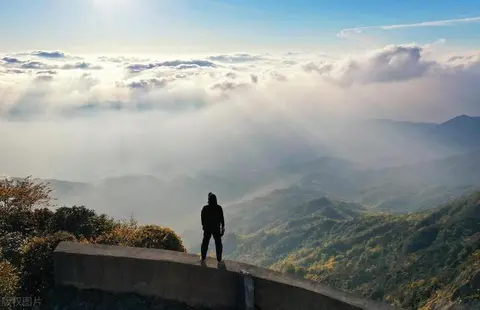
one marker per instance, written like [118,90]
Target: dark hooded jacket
[212,216]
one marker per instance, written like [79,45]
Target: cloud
[82,66]
[187,66]
[37,65]
[439,23]
[112,83]
[44,78]
[390,64]
[231,75]
[289,62]
[235,58]
[45,75]
[278,76]
[177,64]
[52,55]
[50,72]
[112,59]
[119,59]
[14,71]
[11,60]
[464,59]
[46,65]
[320,68]
[229,86]
[145,84]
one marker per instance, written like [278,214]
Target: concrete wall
[179,276]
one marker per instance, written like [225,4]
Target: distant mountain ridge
[462,120]
[461,133]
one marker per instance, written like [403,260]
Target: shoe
[203,263]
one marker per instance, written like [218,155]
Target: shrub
[80,221]
[17,220]
[41,220]
[37,269]
[123,234]
[11,244]
[149,236]
[152,236]
[9,279]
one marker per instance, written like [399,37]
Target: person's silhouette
[213,224]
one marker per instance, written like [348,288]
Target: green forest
[421,260]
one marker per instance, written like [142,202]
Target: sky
[190,26]
[123,86]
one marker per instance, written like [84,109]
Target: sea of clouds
[85,117]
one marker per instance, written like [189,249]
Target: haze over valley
[399,177]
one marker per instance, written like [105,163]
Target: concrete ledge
[178,276]
[71,298]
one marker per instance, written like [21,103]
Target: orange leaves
[149,236]
[330,264]
[122,235]
[23,193]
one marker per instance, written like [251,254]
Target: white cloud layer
[82,118]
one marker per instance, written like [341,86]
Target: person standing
[213,224]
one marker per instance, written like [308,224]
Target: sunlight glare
[112,5]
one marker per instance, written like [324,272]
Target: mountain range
[423,260]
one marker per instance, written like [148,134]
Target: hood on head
[212,199]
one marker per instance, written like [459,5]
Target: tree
[18,197]
[23,194]
[37,268]
[41,220]
[80,221]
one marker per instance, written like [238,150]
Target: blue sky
[178,26]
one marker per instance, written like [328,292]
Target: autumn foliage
[23,194]
[149,236]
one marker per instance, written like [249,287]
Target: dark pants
[218,244]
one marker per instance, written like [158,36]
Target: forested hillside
[416,260]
